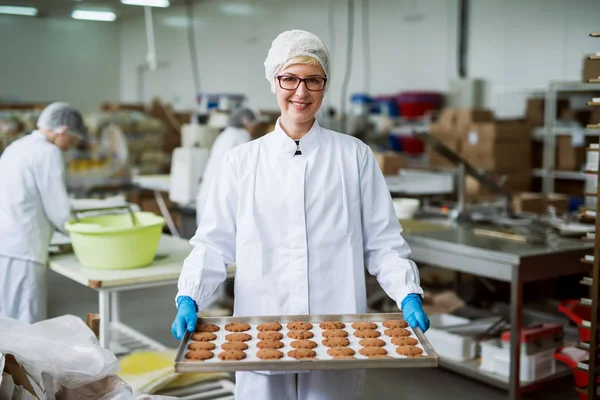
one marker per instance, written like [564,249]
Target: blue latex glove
[412,307]
[187,316]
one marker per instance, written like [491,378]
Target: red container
[580,376]
[412,145]
[417,104]
[577,314]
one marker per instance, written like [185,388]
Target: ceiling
[63,8]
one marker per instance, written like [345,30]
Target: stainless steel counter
[460,249]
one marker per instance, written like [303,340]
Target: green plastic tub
[113,242]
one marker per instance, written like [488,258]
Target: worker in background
[239,130]
[302,211]
[33,203]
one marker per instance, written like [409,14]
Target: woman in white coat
[33,203]
[302,211]
[238,129]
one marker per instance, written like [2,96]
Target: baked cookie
[340,351]
[303,344]
[207,328]
[359,326]
[332,325]
[371,342]
[344,358]
[367,334]
[297,335]
[232,355]
[237,327]
[404,341]
[302,353]
[201,346]
[409,351]
[234,346]
[269,354]
[395,332]
[238,337]
[395,323]
[269,344]
[299,326]
[373,351]
[335,333]
[270,335]
[269,326]
[199,355]
[203,336]
[336,342]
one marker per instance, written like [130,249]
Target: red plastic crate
[412,145]
[577,314]
[580,376]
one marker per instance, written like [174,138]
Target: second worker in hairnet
[33,203]
[302,211]
[239,130]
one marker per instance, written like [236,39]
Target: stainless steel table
[459,249]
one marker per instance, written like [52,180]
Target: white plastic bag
[63,347]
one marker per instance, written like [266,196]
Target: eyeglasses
[314,83]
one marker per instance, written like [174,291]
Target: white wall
[519,46]
[46,59]
[515,45]
[232,49]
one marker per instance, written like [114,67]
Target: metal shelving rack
[550,130]
[593,365]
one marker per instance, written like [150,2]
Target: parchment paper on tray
[388,356]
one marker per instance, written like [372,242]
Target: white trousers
[314,385]
[22,290]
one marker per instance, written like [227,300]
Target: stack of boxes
[500,146]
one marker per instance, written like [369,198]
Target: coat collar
[286,146]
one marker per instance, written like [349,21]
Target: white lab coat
[33,202]
[301,230]
[228,139]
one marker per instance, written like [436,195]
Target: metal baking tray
[429,358]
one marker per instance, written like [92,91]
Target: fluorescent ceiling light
[150,3]
[94,15]
[237,9]
[15,10]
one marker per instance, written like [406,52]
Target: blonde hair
[305,60]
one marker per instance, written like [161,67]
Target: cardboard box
[449,140]
[389,162]
[501,130]
[534,114]
[590,69]
[499,146]
[447,119]
[469,116]
[538,204]
[457,121]
[568,156]
[502,157]
[529,202]
[514,182]
[559,201]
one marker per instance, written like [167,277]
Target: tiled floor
[151,311]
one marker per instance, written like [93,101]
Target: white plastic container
[449,345]
[591,158]
[495,359]
[406,208]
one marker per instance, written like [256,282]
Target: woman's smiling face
[299,106]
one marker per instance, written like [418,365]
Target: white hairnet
[241,117]
[291,44]
[62,114]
